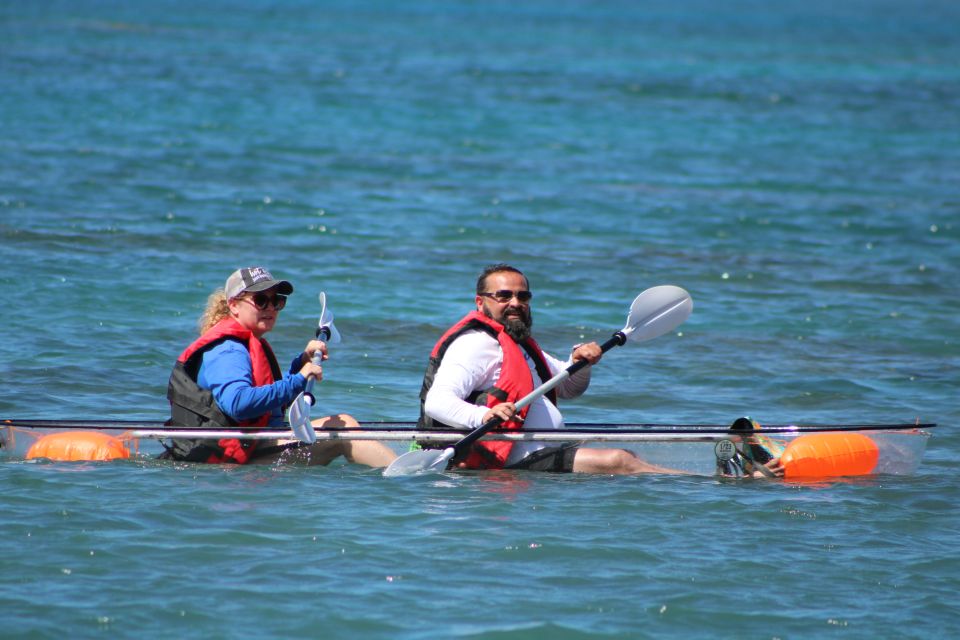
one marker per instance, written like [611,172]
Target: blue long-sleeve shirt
[227,372]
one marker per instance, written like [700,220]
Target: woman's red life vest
[515,381]
[193,406]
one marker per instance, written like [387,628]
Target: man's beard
[517,328]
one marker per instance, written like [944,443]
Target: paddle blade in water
[423,461]
[657,311]
[298,415]
[831,454]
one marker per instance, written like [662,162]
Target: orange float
[830,454]
[78,445]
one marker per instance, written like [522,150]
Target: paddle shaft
[461,446]
[323,333]
[299,413]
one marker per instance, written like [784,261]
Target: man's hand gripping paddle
[653,313]
[299,413]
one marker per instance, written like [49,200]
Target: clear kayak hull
[895,449]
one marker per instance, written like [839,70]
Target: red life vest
[515,381]
[266,371]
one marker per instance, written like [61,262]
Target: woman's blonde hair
[217,309]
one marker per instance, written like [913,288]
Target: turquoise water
[793,165]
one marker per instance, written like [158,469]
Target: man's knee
[605,461]
[622,461]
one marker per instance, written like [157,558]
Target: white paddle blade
[326,321]
[657,311]
[423,461]
[332,330]
[298,415]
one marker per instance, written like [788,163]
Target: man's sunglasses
[261,300]
[506,295]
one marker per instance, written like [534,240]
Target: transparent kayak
[702,449]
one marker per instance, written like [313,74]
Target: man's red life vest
[515,382]
[193,406]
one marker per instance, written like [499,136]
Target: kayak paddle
[299,413]
[653,313]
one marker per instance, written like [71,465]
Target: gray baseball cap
[254,279]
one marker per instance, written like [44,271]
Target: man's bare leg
[614,461]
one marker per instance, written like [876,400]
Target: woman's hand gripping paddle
[653,313]
[299,413]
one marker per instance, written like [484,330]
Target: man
[486,362]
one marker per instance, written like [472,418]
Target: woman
[229,376]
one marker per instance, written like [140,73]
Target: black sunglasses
[505,295]
[261,300]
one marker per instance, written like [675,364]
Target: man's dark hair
[496,268]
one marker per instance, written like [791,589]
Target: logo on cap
[254,275]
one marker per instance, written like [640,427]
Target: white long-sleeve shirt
[472,363]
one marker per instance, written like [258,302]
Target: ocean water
[794,165]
